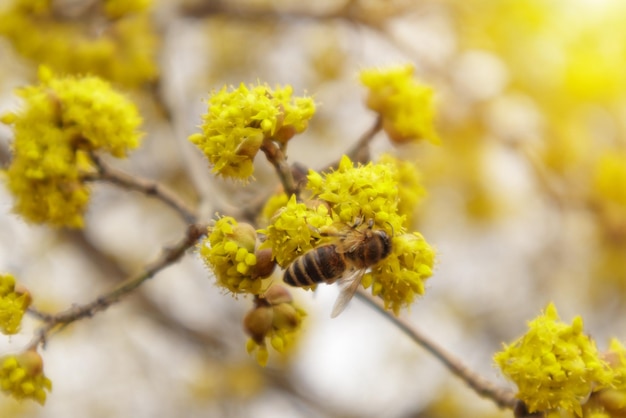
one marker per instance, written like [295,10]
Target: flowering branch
[101,303]
[147,187]
[502,397]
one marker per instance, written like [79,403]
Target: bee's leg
[358,221]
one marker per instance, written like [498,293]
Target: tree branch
[147,187]
[504,398]
[101,303]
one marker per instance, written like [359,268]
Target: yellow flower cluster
[123,49]
[342,198]
[229,250]
[554,365]
[399,278]
[367,192]
[410,189]
[275,317]
[406,106]
[21,376]
[295,229]
[62,121]
[13,304]
[237,122]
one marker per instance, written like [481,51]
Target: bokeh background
[526,198]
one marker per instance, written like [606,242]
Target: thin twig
[360,152]
[504,398]
[145,186]
[102,302]
[277,158]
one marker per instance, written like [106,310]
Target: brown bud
[264,263]
[277,294]
[245,236]
[285,133]
[285,316]
[258,322]
[31,361]
[250,146]
[22,290]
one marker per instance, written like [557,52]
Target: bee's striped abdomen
[322,264]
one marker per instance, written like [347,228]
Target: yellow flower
[410,189]
[123,50]
[237,123]
[229,250]
[406,106]
[610,178]
[400,277]
[350,196]
[294,230]
[554,365]
[275,318]
[13,304]
[367,192]
[21,376]
[62,121]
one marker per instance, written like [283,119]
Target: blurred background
[526,197]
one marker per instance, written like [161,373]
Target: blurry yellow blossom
[276,319]
[119,8]
[237,122]
[64,119]
[554,365]
[229,250]
[122,49]
[410,188]
[610,179]
[21,376]
[13,304]
[406,106]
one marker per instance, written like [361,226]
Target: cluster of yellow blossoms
[230,250]
[274,317]
[62,37]
[406,106]
[63,120]
[238,121]
[558,370]
[338,199]
[21,376]
[13,303]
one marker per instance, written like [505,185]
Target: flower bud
[22,291]
[244,235]
[258,323]
[277,294]
[285,133]
[31,361]
[250,146]
[285,316]
[265,263]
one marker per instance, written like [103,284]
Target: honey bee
[344,261]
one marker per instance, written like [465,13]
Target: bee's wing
[348,284]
